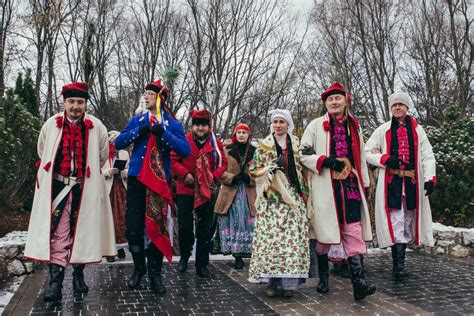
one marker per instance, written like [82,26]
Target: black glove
[332,163]
[307,151]
[393,163]
[280,162]
[429,187]
[245,178]
[237,179]
[144,131]
[157,130]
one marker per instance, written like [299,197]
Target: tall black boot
[323,270]
[394,259]
[78,284]
[139,268]
[183,263]
[400,272]
[56,277]
[155,263]
[360,287]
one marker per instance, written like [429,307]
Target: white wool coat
[325,220]
[377,149]
[94,235]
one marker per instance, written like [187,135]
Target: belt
[71,181]
[403,173]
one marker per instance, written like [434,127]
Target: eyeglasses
[151,93]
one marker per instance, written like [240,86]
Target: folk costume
[71,220]
[148,194]
[206,164]
[280,253]
[235,203]
[340,207]
[407,165]
[116,184]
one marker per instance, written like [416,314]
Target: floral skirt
[280,241]
[236,227]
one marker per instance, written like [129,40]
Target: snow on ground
[7,293]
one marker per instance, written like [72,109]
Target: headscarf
[399,97]
[239,127]
[284,114]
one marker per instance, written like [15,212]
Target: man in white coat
[333,148]
[71,219]
[407,165]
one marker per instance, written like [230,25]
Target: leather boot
[400,272]
[139,269]
[78,284]
[56,277]
[155,263]
[323,270]
[239,263]
[203,272]
[394,259]
[360,287]
[183,264]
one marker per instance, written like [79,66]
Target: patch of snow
[7,293]
[441,227]
[14,238]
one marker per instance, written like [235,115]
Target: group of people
[283,203]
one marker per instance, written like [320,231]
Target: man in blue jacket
[169,136]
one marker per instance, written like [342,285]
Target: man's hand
[189,179]
[429,187]
[393,163]
[332,163]
[157,130]
[144,131]
[307,151]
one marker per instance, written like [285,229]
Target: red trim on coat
[319,163]
[384,158]
[51,189]
[434,180]
[417,211]
[82,192]
[355,145]
[388,139]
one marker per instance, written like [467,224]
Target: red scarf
[152,174]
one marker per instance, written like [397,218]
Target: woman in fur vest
[235,204]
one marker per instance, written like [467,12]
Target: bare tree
[8,9]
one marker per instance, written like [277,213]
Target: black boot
[56,277]
[360,287]
[78,284]
[203,272]
[183,264]
[155,263]
[400,272]
[139,269]
[323,270]
[239,263]
[394,259]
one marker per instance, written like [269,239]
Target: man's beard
[201,138]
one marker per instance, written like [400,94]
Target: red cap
[200,116]
[76,89]
[158,87]
[335,88]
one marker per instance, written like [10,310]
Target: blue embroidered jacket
[173,138]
